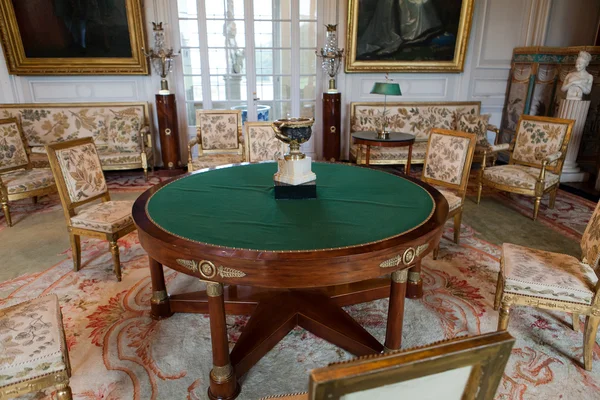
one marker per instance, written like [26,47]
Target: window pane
[263,9]
[225,88]
[308,9]
[191,112]
[193,88]
[307,109]
[187,9]
[189,33]
[308,62]
[238,10]
[215,8]
[307,87]
[308,34]
[191,61]
[264,87]
[272,34]
[273,61]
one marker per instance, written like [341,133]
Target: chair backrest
[590,241]
[78,173]
[463,368]
[538,137]
[13,147]
[261,142]
[448,159]
[219,130]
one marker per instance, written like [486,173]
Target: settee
[415,118]
[120,131]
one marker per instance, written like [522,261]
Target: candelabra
[160,57]
[331,56]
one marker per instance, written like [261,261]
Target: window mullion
[295,67]
[251,86]
[204,60]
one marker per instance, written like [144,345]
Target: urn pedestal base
[294,172]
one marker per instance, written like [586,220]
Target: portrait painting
[408,35]
[56,37]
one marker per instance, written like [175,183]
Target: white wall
[498,27]
[573,23]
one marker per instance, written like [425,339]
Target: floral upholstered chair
[261,143]
[447,165]
[34,350]
[219,139]
[465,368]
[538,152]
[479,125]
[554,281]
[78,174]
[18,180]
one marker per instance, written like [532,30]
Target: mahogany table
[396,139]
[306,257]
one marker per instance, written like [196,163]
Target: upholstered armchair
[466,368]
[219,139]
[447,164]
[538,151]
[34,350]
[18,180]
[78,174]
[261,143]
[554,281]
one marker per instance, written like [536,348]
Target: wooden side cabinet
[166,109]
[332,121]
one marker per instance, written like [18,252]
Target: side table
[396,139]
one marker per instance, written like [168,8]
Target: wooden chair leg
[146,173]
[479,189]
[589,340]
[576,322]
[503,316]
[64,392]
[436,252]
[499,291]
[6,212]
[457,221]
[34,199]
[552,198]
[114,249]
[536,207]
[76,250]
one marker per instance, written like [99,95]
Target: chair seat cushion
[454,201]
[547,275]
[214,160]
[109,217]
[391,153]
[518,176]
[32,340]
[27,180]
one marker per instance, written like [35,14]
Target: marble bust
[579,82]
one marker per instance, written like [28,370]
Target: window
[257,56]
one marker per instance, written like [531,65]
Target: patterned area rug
[119,352]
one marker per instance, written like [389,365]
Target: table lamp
[386,89]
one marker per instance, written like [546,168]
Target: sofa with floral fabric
[417,119]
[121,131]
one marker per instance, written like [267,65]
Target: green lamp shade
[385,88]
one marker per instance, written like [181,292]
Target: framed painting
[408,35]
[73,37]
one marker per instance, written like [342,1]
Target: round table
[395,139]
[224,226]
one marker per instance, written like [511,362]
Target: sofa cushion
[548,275]
[476,124]
[397,154]
[32,338]
[26,180]
[114,127]
[109,216]
[414,118]
[12,149]
[518,176]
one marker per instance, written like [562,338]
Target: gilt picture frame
[62,37]
[401,36]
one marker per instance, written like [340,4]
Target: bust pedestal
[169,134]
[332,122]
[576,110]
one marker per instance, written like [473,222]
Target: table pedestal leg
[393,334]
[223,383]
[414,289]
[159,303]
[368,160]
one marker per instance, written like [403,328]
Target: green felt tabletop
[235,207]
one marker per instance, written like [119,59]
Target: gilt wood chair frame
[198,139]
[461,188]
[5,197]
[70,206]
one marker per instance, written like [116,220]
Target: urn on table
[294,178]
